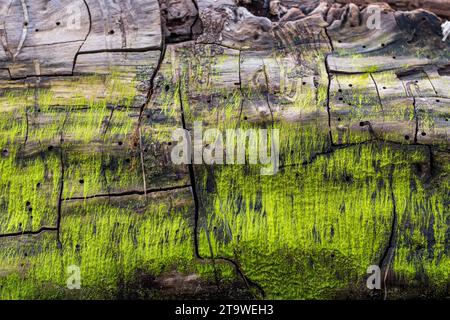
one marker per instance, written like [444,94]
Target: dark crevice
[76,108]
[180,28]
[335,147]
[267,93]
[416,118]
[61,182]
[193,182]
[141,156]
[388,254]
[150,93]
[7,70]
[444,71]
[60,194]
[431,82]
[197,18]
[431,161]
[58,218]
[23,233]
[378,93]
[197,207]
[85,39]
[330,133]
[259,8]
[128,50]
[330,41]
[221,45]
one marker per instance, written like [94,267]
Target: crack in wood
[24,30]
[103,166]
[378,93]
[336,147]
